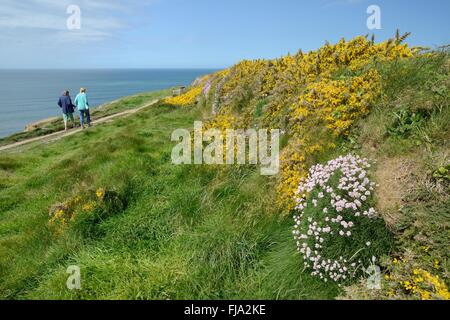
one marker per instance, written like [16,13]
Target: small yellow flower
[408,286]
[437,264]
[88,206]
[100,193]
[425,295]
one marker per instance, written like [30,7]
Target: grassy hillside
[181,232]
[110,201]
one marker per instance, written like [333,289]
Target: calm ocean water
[30,95]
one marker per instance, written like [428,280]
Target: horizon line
[114,68]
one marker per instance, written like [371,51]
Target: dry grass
[395,177]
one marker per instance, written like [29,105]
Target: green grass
[186,232]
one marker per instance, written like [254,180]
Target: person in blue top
[81,101]
[65,103]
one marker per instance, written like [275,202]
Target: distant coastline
[29,96]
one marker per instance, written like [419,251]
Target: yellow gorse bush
[319,94]
[337,103]
[429,286]
[313,97]
[61,215]
[185,99]
[59,220]
[191,96]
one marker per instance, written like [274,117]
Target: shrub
[85,210]
[336,227]
[442,173]
[405,122]
[186,99]
[405,280]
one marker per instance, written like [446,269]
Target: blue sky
[198,33]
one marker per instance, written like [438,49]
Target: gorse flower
[407,280]
[199,87]
[88,204]
[186,99]
[315,97]
[100,193]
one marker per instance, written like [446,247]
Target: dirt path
[62,134]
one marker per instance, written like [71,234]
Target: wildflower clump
[100,193]
[85,209]
[59,218]
[405,280]
[337,229]
[62,214]
[186,99]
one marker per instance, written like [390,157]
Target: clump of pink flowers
[207,88]
[330,202]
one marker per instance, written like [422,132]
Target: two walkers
[68,108]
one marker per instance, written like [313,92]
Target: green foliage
[259,110]
[442,173]
[406,122]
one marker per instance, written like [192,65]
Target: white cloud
[99,18]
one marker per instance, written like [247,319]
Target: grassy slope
[187,232]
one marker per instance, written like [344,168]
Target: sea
[28,96]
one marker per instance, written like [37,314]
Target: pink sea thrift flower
[337,216]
